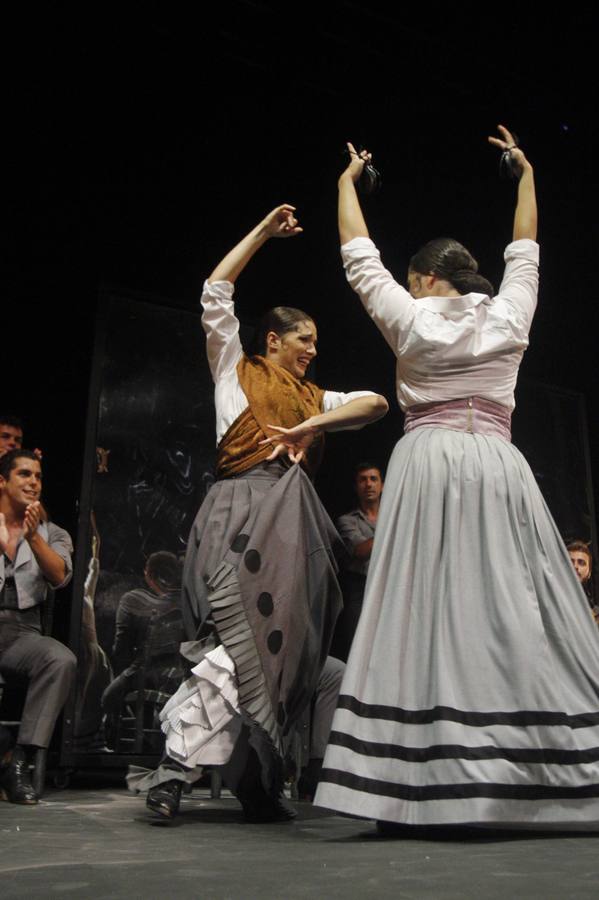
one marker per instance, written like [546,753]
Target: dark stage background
[141,142]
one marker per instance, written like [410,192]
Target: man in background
[11,433]
[35,555]
[138,611]
[357,531]
[582,560]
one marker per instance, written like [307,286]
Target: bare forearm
[52,565]
[237,259]
[280,222]
[525,217]
[360,411]
[351,220]
[295,441]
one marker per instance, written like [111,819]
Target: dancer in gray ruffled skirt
[259,582]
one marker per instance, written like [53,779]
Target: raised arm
[280,222]
[220,324]
[525,217]
[351,220]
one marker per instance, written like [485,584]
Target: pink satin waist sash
[470,414]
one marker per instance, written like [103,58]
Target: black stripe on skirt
[457,791]
[457,751]
[522,718]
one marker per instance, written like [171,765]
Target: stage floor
[100,843]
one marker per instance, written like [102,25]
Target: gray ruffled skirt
[260,579]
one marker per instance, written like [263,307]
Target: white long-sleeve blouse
[450,347]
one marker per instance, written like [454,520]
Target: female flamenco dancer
[259,576]
[471,694]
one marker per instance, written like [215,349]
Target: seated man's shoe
[15,781]
[165,798]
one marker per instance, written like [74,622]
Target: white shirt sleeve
[335,399]
[520,283]
[388,303]
[220,323]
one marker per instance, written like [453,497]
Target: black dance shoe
[15,781]
[164,799]
[393,829]
[268,809]
[260,805]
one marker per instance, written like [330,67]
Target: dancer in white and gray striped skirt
[471,694]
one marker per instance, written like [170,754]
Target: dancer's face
[582,564]
[420,285]
[295,350]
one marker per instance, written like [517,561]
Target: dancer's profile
[471,694]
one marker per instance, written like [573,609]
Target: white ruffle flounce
[201,720]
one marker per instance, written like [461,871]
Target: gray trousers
[324,705]
[48,666]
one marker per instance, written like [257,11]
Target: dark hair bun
[471,283]
[448,259]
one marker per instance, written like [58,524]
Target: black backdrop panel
[149,459]
[549,427]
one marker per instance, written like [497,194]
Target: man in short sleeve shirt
[357,530]
[35,555]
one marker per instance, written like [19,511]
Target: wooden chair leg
[139,722]
[216,784]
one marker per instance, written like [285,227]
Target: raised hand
[507,144]
[292,441]
[281,222]
[31,519]
[356,163]
[525,215]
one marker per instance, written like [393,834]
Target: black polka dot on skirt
[265,604]
[252,560]
[240,542]
[274,641]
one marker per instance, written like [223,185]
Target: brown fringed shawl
[275,397]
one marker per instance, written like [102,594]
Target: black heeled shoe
[15,781]
[165,798]
[259,805]
[268,809]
